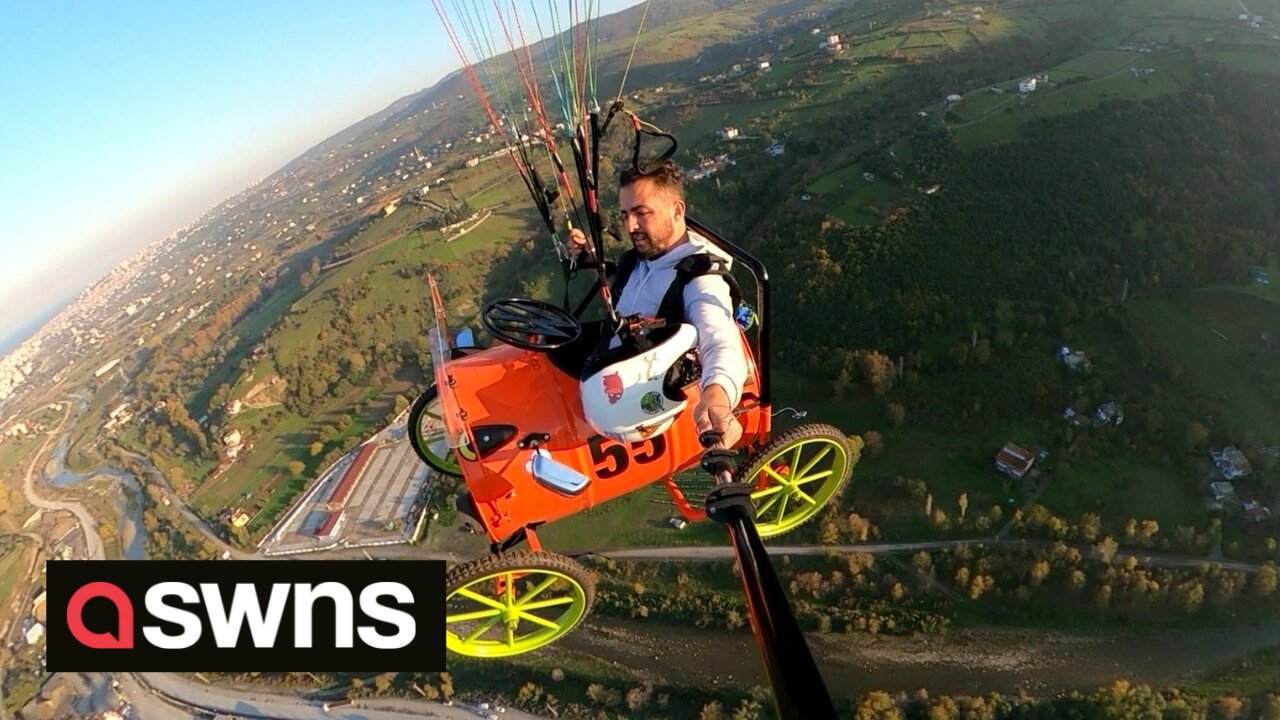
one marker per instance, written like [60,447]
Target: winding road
[93,541]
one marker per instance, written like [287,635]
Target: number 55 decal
[611,459]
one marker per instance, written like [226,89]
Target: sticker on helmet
[612,387]
[651,403]
[646,430]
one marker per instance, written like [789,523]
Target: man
[653,213]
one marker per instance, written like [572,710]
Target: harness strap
[672,307]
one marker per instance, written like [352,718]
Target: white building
[1028,85]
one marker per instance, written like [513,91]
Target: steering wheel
[530,324]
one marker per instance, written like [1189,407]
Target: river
[970,662]
[127,500]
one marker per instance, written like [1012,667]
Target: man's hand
[577,244]
[715,413]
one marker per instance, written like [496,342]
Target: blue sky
[122,121]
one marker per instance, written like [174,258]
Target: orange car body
[505,405]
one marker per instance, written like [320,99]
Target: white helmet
[625,390]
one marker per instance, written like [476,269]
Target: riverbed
[127,499]
[970,662]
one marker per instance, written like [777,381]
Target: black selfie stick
[799,692]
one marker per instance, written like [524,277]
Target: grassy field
[835,182]
[1258,60]
[698,132]
[1140,487]
[876,46]
[264,475]
[1215,336]
[863,203]
[1252,675]
[12,566]
[1170,73]
[980,102]
[1095,64]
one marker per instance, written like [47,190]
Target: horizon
[62,239]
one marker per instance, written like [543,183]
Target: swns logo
[273,616]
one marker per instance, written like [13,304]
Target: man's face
[654,219]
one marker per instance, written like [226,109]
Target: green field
[698,132]
[1215,336]
[1145,487]
[11,569]
[1251,676]
[1210,9]
[1095,64]
[980,102]
[833,183]
[1258,60]
[924,40]
[876,46]
[1170,73]
[264,475]
[861,205]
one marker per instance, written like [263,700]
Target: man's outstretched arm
[709,307]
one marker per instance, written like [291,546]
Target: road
[726,553]
[93,542]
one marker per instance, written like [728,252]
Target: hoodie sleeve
[709,308]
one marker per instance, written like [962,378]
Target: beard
[656,241]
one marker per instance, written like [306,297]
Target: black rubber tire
[424,453]
[415,417]
[810,431]
[465,573]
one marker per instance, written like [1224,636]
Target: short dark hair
[666,175]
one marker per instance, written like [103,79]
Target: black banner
[277,616]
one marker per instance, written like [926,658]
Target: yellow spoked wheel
[504,605]
[796,474]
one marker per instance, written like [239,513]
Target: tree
[877,371]
[712,711]
[873,443]
[859,527]
[896,414]
[1227,707]
[638,697]
[1090,526]
[529,695]
[877,705]
[1264,583]
[296,467]
[1107,549]
[964,504]
[1147,529]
